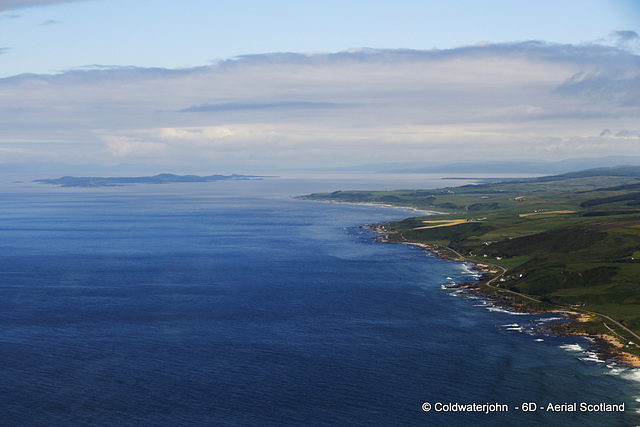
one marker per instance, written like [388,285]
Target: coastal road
[504,270]
[636,336]
[489,282]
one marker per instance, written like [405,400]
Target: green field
[570,241]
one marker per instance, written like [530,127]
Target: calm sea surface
[232,303]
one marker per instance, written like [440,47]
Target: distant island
[566,243]
[163,178]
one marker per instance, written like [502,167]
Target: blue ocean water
[234,304]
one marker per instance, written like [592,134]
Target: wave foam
[615,370]
[467,270]
[497,309]
[502,310]
[631,374]
[590,356]
[572,347]
[549,319]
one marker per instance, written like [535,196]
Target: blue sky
[257,84]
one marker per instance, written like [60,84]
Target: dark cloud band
[23,4]
[252,106]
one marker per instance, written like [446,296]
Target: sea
[234,303]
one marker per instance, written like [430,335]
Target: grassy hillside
[569,240]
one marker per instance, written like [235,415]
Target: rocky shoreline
[607,347]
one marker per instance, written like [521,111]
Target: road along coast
[608,346]
[570,243]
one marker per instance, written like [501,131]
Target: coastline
[608,347]
[384,205]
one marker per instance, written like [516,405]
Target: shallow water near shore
[234,304]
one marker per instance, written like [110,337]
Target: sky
[255,85]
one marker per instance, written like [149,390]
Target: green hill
[569,241]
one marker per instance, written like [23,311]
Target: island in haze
[567,242]
[163,178]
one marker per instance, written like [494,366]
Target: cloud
[49,22]
[96,67]
[625,36]
[230,106]
[531,99]
[618,83]
[625,133]
[123,146]
[22,4]
[626,39]
[622,133]
[4,50]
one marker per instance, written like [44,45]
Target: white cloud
[124,146]
[512,100]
